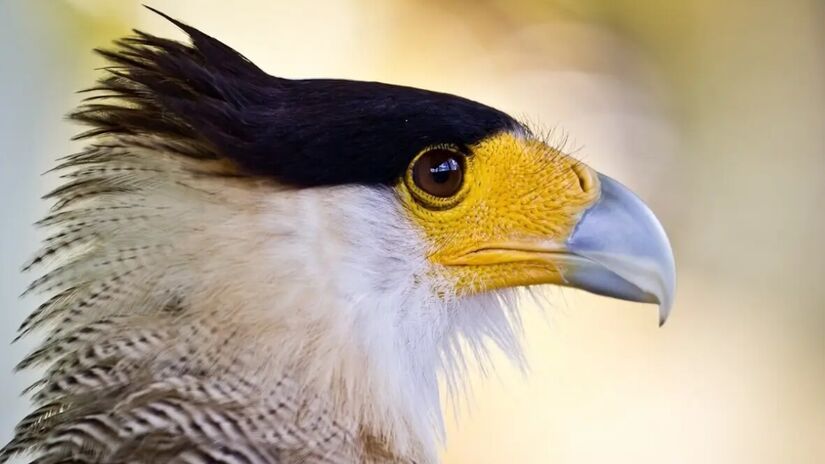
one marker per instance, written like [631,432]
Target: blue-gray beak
[622,250]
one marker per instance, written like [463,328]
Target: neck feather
[328,288]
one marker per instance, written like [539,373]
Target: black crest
[206,100]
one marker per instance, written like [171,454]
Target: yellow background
[714,111]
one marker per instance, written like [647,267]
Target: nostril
[585,175]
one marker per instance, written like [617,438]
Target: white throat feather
[328,287]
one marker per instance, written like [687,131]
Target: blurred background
[713,111]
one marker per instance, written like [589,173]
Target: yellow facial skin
[519,202]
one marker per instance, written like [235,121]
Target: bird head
[509,210]
[357,238]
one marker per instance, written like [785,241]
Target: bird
[244,268]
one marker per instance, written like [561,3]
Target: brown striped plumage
[135,373]
[129,377]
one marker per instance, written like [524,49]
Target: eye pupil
[439,172]
[443,171]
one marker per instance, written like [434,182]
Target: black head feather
[206,100]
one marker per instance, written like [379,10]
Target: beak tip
[665,293]
[664,312]
[666,303]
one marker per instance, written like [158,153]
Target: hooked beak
[619,249]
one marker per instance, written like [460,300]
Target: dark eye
[439,172]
